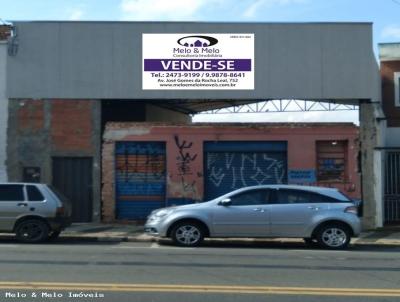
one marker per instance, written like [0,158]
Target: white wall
[3,111]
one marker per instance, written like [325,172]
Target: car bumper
[59,223]
[156,228]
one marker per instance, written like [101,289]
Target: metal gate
[73,177]
[233,165]
[392,188]
[140,178]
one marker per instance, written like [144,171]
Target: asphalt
[104,232]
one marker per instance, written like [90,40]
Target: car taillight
[352,210]
[60,211]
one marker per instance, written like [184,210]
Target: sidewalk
[102,232]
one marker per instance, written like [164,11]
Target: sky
[384,14]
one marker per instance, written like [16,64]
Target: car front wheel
[333,236]
[187,234]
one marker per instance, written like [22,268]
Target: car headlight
[162,213]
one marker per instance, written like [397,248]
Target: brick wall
[41,129]
[107,196]
[71,125]
[391,111]
[301,140]
[31,116]
[5,32]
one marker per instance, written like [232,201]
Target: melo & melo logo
[197,41]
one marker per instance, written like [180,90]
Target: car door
[293,211]
[12,205]
[245,215]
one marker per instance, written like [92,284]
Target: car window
[253,197]
[34,194]
[319,198]
[11,193]
[292,196]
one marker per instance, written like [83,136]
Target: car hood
[183,207]
[191,206]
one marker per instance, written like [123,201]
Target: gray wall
[3,111]
[157,114]
[100,60]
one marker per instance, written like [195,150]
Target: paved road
[84,271]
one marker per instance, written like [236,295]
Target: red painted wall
[189,184]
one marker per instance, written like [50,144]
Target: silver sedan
[319,215]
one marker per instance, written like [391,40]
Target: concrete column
[371,136]
[3,112]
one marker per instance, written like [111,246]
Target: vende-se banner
[198,61]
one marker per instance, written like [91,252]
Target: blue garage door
[233,165]
[140,178]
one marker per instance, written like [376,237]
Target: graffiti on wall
[183,161]
[140,169]
[240,169]
[140,161]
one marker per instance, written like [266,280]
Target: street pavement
[86,270]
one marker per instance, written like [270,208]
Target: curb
[143,238]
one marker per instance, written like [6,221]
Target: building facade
[66,80]
[148,166]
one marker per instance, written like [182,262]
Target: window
[396,82]
[34,194]
[11,193]
[297,196]
[31,174]
[331,161]
[292,196]
[253,197]
[319,198]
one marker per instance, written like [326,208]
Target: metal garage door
[392,188]
[140,178]
[233,165]
[73,177]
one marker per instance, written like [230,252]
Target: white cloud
[75,14]
[254,7]
[161,9]
[391,31]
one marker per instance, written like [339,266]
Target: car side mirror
[225,202]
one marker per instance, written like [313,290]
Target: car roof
[293,187]
[330,192]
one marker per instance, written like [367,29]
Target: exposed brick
[5,32]
[31,115]
[71,125]
[108,194]
[392,112]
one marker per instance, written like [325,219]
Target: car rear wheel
[333,236]
[32,231]
[187,234]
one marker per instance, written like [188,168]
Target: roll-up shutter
[140,178]
[236,164]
